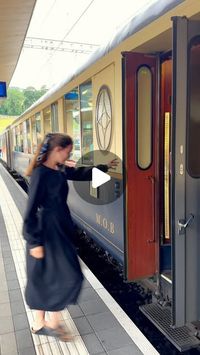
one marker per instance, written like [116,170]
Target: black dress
[54,281]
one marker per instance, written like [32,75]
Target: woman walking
[54,276]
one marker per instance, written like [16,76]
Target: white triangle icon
[99,178]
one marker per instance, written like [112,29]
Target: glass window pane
[54,117]
[28,135]
[14,139]
[47,120]
[34,134]
[193,134]
[21,137]
[86,122]
[25,137]
[72,118]
[144,117]
[38,128]
[17,138]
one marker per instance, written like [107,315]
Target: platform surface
[98,323]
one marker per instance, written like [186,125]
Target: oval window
[103,118]
[144,117]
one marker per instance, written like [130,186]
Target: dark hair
[50,141]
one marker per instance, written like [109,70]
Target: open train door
[185,213]
[140,142]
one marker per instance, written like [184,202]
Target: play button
[101,186]
[99,178]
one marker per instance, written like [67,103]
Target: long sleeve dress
[53,282]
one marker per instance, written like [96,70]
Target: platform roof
[156,10]
[15,16]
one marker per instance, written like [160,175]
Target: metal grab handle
[182,224]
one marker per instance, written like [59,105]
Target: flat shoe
[44,331]
[59,333]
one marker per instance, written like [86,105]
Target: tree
[31,95]
[19,100]
[13,105]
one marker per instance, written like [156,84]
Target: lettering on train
[105,223]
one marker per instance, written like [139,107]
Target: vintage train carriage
[145,84]
[6,146]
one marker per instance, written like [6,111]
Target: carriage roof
[138,22]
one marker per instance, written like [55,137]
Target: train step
[181,337]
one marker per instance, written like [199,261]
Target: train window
[25,143]
[38,127]
[21,146]
[28,136]
[144,117]
[17,138]
[34,133]
[47,120]
[86,122]
[14,139]
[72,120]
[54,117]
[193,132]
[103,118]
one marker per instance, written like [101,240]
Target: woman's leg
[39,320]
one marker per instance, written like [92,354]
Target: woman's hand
[70,163]
[37,252]
[113,163]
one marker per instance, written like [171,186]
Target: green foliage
[31,95]
[20,99]
[13,105]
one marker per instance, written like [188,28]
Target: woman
[54,276]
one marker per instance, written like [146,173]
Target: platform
[99,324]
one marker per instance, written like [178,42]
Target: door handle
[182,224]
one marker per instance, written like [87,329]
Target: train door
[165,175]
[185,218]
[140,157]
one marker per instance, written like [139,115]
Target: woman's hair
[50,141]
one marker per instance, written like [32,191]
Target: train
[137,97]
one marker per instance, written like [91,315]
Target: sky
[83,21]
